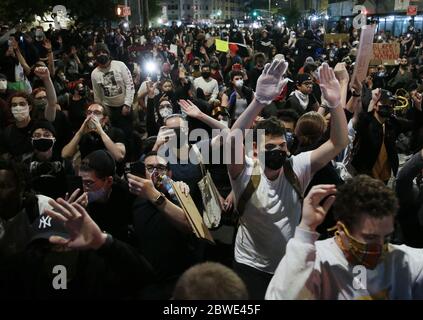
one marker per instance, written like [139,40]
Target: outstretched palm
[190,108]
[271,81]
[329,85]
[83,231]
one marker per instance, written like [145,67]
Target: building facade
[201,11]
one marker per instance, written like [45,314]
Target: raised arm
[331,90]
[50,111]
[194,112]
[269,86]
[297,276]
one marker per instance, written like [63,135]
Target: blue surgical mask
[99,195]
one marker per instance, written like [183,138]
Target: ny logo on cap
[44,222]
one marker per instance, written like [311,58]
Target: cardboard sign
[192,214]
[385,53]
[222,46]
[364,53]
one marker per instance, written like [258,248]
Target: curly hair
[363,195]
[210,281]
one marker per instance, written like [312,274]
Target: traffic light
[255,13]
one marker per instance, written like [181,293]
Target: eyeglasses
[307,84]
[95,112]
[161,168]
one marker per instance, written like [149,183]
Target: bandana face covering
[360,253]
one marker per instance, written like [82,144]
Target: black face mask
[205,75]
[275,159]
[385,111]
[102,59]
[196,67]
[43,144]
[40,104]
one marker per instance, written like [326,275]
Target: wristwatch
[109,240]
[160,200]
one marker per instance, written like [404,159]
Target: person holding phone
[161,229]
[96,134]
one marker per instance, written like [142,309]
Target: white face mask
[165,112]
[20,113]
[239,83]
[3,84]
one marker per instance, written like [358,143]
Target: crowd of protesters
[86,112]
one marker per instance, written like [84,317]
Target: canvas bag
[212,207]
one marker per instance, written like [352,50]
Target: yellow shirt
[382,169]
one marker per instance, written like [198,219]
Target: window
[207,7]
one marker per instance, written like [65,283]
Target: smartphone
[135,168]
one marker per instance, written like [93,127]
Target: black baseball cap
[301,78]
[45,226]
[43,124]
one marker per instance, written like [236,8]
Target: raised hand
[313,212]
[271,81]
[165,134]
[73,198]
[417,98]
[341,72]
[331,89]
[190,108]
[42,72]
[83,231]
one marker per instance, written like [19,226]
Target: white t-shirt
[319,270]
[210,88]
[113,87]
[270,216]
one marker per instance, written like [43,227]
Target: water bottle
[165,185]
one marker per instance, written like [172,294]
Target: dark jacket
[369,138]
[410,198]
[113,271]
[247,93]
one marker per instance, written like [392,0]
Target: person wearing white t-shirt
[273,211]
[206,83]
[358,263]
[114,88]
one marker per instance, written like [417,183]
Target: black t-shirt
[49,178]
[91,142]
[76,113]
[63,132]
[169,250]
[17,141]
[114,215]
